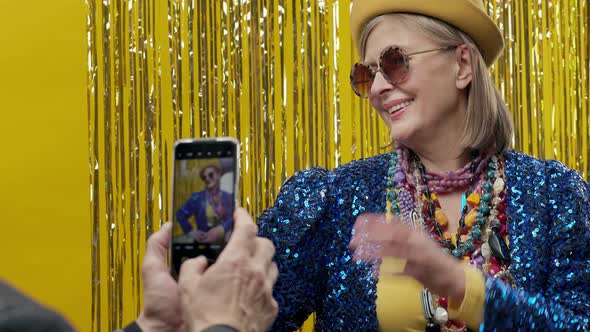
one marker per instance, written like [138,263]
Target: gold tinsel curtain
[274,74]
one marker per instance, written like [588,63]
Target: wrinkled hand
[162,305]
[237,289]
[374,239]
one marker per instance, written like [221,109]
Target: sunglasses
[394,65]
[209,175]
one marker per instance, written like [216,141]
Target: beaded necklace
[482,226]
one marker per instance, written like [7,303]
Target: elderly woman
[452,230]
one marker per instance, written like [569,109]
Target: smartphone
[204,197]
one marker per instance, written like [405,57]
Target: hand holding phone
[205,182]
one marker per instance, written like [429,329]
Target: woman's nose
[380,85]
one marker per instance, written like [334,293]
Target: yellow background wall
[44,187]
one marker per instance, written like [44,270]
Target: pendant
[498,247]
[427,305]
[415,219]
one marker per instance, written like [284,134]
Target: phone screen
[203,199]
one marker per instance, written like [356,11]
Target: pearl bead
[498,186]
[441,316]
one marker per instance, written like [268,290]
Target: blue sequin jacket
[549,230]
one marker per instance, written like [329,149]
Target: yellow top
[212,219]
[399,306]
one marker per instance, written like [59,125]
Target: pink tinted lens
[394,64]
[361,79]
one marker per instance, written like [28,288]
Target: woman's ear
[464,58]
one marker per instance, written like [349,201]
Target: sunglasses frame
[406,58]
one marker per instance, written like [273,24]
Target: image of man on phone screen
[212,209]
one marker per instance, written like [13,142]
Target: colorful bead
[463,238]
[476,234]
[503,230]
[441,218]
[494,269]
[480,221]
[484,209]
[441,316]
[473,200]
[487,212]
[496,201]
[494,260]
[469,246]
[498,186]
[432,327]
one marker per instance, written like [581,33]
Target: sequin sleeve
[562,303]
[294,224]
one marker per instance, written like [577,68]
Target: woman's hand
[374,239]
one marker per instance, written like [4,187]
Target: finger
[392,266]
[191,270]
[242,240]
[362,227]
[384,240]
[157,248]
[264,252]
[367,252]
[359,227]
[380,232]
[272,275]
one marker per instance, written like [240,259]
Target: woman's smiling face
[416,108]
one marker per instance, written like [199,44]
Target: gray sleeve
[20,313]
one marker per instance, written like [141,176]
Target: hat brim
[463,14]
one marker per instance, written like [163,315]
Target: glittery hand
[375,240]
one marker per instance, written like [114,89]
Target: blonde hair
[488,122]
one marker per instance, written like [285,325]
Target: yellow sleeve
[471,309]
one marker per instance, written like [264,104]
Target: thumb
[192,270]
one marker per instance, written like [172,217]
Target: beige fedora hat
[468,15]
